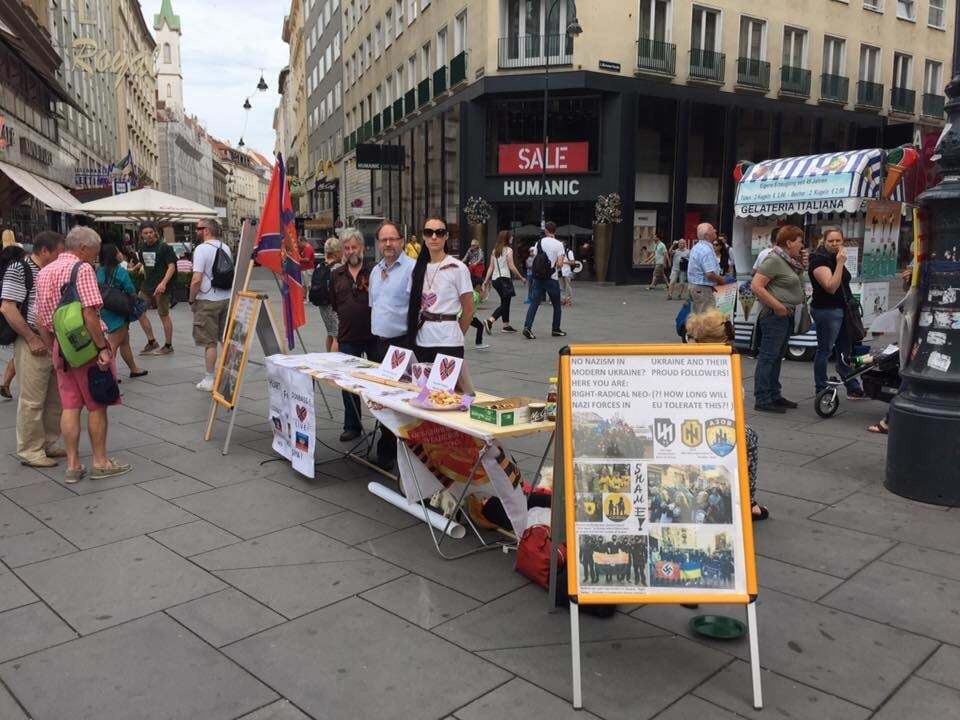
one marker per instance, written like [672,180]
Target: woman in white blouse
[441,297]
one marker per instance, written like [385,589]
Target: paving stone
[142,471]
[352,494]
[921,700]
[943,667]
[291,546]
[389,673]
[908,521]
[193,538]
[420,601]
[108,585]
[855,460]
[13,593]
[520,699]
[99,518]
[14,475]
[149,668]
[732,689]
[350,528]
[38,493]
[917,601]
[936,562]
[690,707]
[255,508]
[24,539]
[174,486]
[794,580]
[645,682]
[815,645]
[807,482]
[31,628]
[9,709]
[209,465]
[224,617]
[522,619]
[280,710]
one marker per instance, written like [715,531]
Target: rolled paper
[440,522]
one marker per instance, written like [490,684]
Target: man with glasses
[158,263]
[349,299]
[210,304]
[389,301]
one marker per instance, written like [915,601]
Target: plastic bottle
[552,400]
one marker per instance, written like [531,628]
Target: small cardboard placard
[396,362]
[444,373]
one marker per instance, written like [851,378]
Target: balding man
[82,246]
[703,270]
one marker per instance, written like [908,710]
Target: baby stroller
[879,374]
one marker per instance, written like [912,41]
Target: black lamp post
[923,453]
[573,29]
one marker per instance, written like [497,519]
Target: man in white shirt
[210,304]
[556,256]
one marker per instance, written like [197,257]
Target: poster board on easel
[656,498]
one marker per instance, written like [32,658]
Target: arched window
[169,91]
[166,53]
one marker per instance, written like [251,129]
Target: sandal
[757,516]
[5,392]
[75,475]
[140,373]
[880,428]
[114,469]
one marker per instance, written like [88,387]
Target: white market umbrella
[146,204]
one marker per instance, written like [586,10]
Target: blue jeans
[537,288]
[351,402]
[529,288]
[831,336]
[774,334]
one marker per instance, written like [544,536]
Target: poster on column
[657,499]
[303,421]
[881,240]
[279,401]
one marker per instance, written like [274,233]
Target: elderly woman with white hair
[320,290]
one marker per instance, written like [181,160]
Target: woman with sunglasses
[440,289]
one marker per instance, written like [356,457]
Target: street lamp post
[923,452]
[573,29]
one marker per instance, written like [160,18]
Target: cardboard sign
[657,499]
[244,317]
[444,373]
[396,362]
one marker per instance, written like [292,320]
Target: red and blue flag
[278,249]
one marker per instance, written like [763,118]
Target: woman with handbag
[120,305]
[500,274]
[831,302]
[778,287]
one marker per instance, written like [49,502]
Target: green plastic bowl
[718,627]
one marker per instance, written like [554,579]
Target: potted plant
[477,212]
[607,213]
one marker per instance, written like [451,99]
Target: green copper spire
[166,15]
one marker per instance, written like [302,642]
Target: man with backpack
[210,290]
[68,306]
[320,290]
[158,263]
[38,409]
[549,257]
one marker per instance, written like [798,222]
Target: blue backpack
[681,321]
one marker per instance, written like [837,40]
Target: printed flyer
[880,240]
[656,477]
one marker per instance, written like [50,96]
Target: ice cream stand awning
[828,183]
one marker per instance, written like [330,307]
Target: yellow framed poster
[656,494]
[241,328]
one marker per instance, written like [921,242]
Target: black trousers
[429,354]
[387,444]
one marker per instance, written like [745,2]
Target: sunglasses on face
[430,232]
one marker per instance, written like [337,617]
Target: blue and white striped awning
[832,182]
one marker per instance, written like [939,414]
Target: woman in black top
[831,287]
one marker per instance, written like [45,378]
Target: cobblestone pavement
[208,587]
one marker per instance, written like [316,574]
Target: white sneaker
[482,346]
[206,385]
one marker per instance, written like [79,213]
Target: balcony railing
[869,94]
[346,144]
[410,101]
[387,117]
[367,130]
[903,100]
[398,110]
[707,65]
[423,92]
[522,51]
[794,81]
[834,88]
[440,81]
[753,74]
[376,124]
[656,57]
[458,69]
[933,105]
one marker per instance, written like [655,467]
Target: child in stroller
[879,374]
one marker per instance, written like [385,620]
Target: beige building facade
[293,104]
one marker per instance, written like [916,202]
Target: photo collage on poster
[937,342]
[656,483]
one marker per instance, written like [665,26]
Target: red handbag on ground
[533,555]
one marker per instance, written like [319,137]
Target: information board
[241,327]
[656,495]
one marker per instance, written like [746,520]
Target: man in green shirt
[158,263]
[661,263]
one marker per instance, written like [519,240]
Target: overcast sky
[224,43]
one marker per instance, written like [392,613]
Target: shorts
[73,384]
[677,275]
[160,303]
[331,320]
[209,321]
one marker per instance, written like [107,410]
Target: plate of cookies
[441,400]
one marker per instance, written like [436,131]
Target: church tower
[169,70]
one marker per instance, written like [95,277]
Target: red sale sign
[527,158]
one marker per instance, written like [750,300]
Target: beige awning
[52,194]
